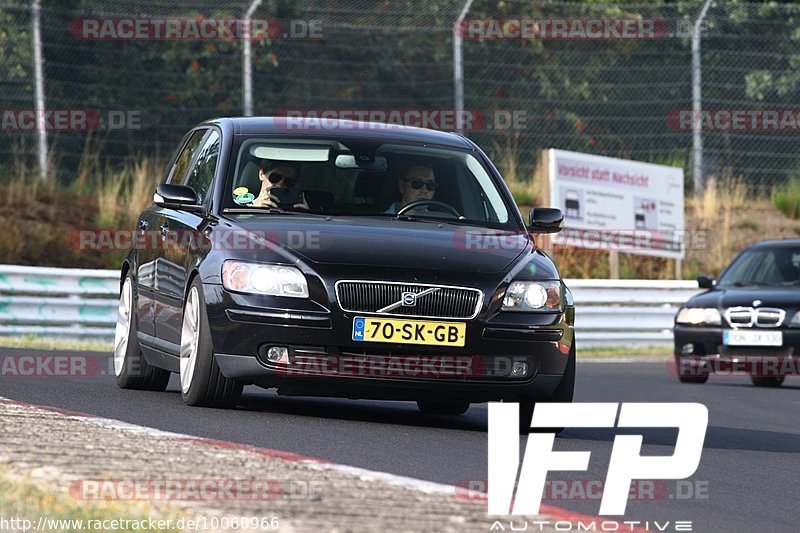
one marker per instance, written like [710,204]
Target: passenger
[278,179]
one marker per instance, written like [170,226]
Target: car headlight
[699,315]
[277,280]
[534,296]
[795,321]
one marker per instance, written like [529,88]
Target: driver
[418,183]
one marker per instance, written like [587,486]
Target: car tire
[564,393]
[202,383]
[768,381]
[452,408]
[693,379]
[130,367]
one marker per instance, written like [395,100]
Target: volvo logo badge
[409,299]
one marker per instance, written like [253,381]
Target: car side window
[202,174]
[181,165]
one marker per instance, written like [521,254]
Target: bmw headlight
[795,321]
[698,316]
[277,280]
[534,296]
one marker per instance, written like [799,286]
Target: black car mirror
[706,282]
[176,196]
[545,220]
[362,163]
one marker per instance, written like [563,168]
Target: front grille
[740,316]
[765,317]
[769,318]
[384,298]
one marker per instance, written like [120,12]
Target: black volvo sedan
[344,259]
[747,321]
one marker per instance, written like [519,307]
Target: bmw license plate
[735,337]
[370,329]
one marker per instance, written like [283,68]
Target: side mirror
[545,220]
[706,282]
[177,197]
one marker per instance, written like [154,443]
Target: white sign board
[616,204]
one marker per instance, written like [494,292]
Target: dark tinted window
[764,266]
[181,165]
[202,174]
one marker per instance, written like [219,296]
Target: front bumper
[324,360]
[699,350]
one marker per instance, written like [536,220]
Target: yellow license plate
[370,329]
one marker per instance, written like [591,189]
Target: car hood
[389,242]
[770,296]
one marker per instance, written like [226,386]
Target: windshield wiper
[265,210]
[422,218]
[752,283]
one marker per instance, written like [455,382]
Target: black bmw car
[353,260]
[747,321]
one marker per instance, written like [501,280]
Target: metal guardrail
[58,302]
[612,312]
[82,304]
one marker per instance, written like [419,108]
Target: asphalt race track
[747,479]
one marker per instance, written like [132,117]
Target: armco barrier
[82,304]
[58,302]
[611,312]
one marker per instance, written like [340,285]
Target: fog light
[278,353]
[687,349]
[519,369]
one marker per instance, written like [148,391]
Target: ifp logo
[625,466]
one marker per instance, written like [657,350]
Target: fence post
[458,66]
[247,64]
[38,73]
[697,130]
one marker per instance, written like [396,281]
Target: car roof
[776,243]
[341,130]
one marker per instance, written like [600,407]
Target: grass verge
[22,499]
[623,351]
[32,342]
[787,198]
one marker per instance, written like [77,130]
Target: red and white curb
[556,514]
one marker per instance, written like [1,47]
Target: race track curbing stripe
[428,487]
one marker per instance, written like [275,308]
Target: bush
[787,198]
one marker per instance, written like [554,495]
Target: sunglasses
[417,184]
[277,177]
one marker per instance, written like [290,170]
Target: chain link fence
[617,95]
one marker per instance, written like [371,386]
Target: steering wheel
[419,203]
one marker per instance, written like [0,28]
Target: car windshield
[764,266]
[328,177]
